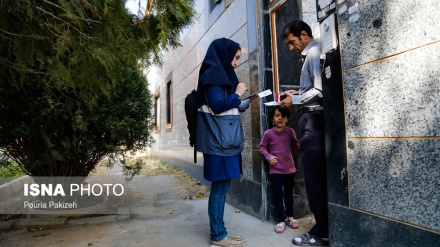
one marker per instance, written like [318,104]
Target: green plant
[71,87]
[10,171]
[63,136]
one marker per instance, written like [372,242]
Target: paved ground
[163,220]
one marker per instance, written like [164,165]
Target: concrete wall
[390,53]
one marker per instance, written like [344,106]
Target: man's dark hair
[296,27]
[285,112]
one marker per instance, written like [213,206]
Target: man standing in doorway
[308,100]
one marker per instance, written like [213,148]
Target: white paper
[265,93]
[272,103]
[328,35]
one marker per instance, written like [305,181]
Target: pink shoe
[280,228]
[292,224]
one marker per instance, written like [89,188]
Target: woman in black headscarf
[219,132]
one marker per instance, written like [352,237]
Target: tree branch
[61,8]
[67,24]
[22,35]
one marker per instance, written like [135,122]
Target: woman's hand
[241,88]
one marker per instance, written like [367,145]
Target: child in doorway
[277,145]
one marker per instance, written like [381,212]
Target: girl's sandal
[280,228]
[292,224]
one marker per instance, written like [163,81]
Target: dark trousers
[282,185]
[311,138]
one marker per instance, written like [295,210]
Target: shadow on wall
[396,179]
[393,159]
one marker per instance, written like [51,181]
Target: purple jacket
[281,144]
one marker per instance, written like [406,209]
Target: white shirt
[310,81]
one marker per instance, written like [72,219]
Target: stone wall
[390,53]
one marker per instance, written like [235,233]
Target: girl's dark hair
[285,112]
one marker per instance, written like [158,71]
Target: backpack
[191,117]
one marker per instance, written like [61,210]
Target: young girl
[281,141]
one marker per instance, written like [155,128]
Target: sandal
[278,227]
[292,224]
[309,240]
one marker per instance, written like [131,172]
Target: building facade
[381,73]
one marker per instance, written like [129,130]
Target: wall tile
[226,25]
[351,228]
[187,67]
[308,6]
[199,7]
[310,18]
[246,195]
[184,85]
[377,28]
[252,19]
[200,25]
[241,37]
[246,155]
[397,179]
[187,45]
[395,97]
[266,42]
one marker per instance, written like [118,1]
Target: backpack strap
[195,153]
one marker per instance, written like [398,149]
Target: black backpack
[191,117]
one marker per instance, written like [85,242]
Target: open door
[286,75]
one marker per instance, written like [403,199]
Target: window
[213,4]
[157,112]
[169,112]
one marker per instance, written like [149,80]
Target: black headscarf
[216,67]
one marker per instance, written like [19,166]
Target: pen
[252,95]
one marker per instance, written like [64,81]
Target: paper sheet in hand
[296,100]
[272,103]
[265,93]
